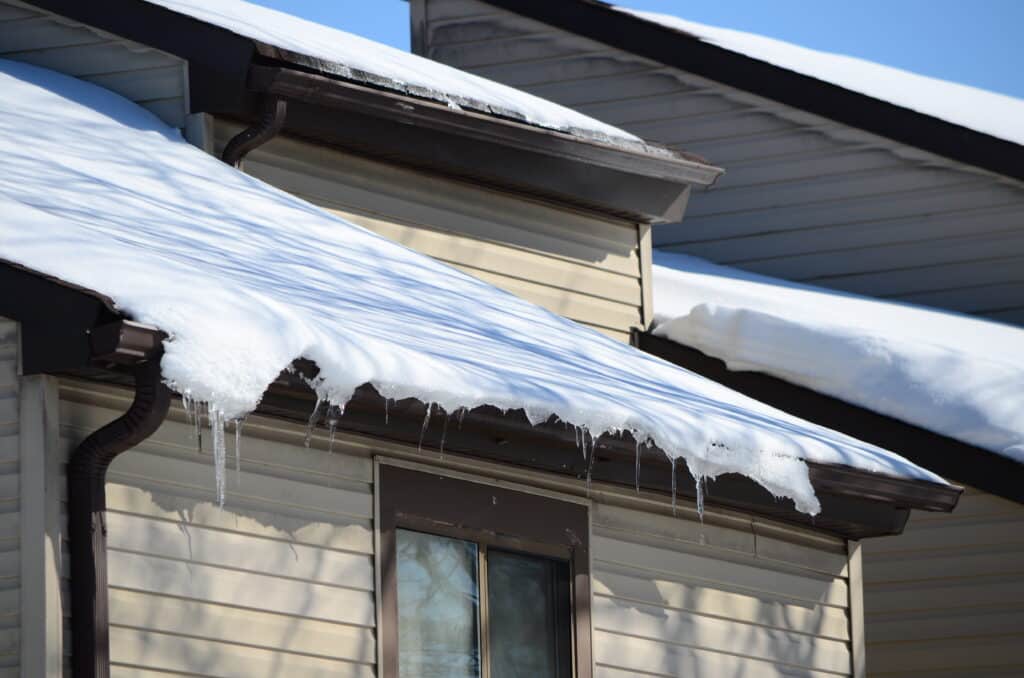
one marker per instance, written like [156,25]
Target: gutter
[140,347]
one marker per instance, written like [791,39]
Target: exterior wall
[580,266]
[803,198]
[153,79]
[10,556]
[281,581]
[947,597]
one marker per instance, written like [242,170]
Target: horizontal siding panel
[243,552]
[710,633]
[227,624]
[270,593]
[994,298]
[626,584]
[640,655]
[895,284]
[149,77]
[978,655]
[732,575]
[134,647]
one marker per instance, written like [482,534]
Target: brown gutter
[126,343]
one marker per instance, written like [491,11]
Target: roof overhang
[228,75]
[599,21]
[73,331]
[949,458]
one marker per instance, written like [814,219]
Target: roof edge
[950,458]
[600,21]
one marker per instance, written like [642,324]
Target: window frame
[493,516]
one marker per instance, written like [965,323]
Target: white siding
[580,266]
[278,583]
[803,198]
[946,598]
[10,557]
[153,79]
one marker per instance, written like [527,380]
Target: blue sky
[968,41]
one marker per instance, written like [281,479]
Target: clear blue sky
[976,42]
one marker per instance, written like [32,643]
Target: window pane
[528,604]
[438,600]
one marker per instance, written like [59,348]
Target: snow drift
[955,375]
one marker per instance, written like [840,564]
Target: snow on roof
[246,279]
[995,114]
[955,375]
[348,55]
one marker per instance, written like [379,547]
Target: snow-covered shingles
[995,114]
[336,52]
[955,375]
[246,279]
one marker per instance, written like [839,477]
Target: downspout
[87,470]
[271,119]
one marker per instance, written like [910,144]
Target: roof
[955,375]
[361,97]
[964,123]
[245,279]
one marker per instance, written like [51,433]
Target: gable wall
[154,80]
[581,266]
[281,581]
[947,597]
[803,198]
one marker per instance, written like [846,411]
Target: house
[843,175]
[292,444]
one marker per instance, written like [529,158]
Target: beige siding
[153,79]
[670,603]
[278,583]
[580,266]
[803,198]
[281,581]
[947,597]
[10,557]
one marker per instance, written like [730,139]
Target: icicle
[313,418]
[590,461]
[386,402]
[186,402]
[638,465]
[700,499]
[426,423]
[335,413]
[462,415]
[673,465]
[198,423]
[216,417]
[239,423]
[444,432]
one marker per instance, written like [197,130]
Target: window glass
[438,604]
[528,603]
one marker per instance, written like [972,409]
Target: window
[480,581]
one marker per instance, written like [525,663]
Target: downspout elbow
[271,119]
[87,471]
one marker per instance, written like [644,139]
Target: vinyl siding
[153,79]
[674,599]
[577,265]
[281,581]
[803,198]
[947,597]
[10,523]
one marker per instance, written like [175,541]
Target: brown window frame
[490,515]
